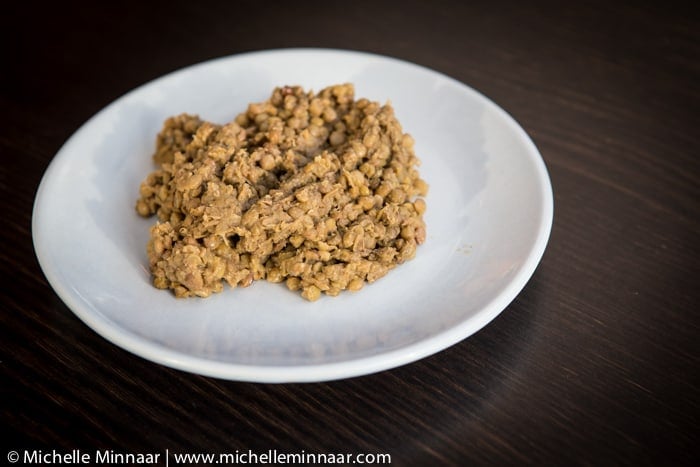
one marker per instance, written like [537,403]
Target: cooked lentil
[319,191]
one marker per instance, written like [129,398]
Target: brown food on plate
[319,191]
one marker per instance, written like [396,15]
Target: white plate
[488,221]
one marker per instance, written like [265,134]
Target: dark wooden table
[595,362]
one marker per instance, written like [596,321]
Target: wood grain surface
[594,363]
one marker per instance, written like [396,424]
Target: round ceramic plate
[488,221]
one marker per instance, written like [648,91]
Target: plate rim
[313,372]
